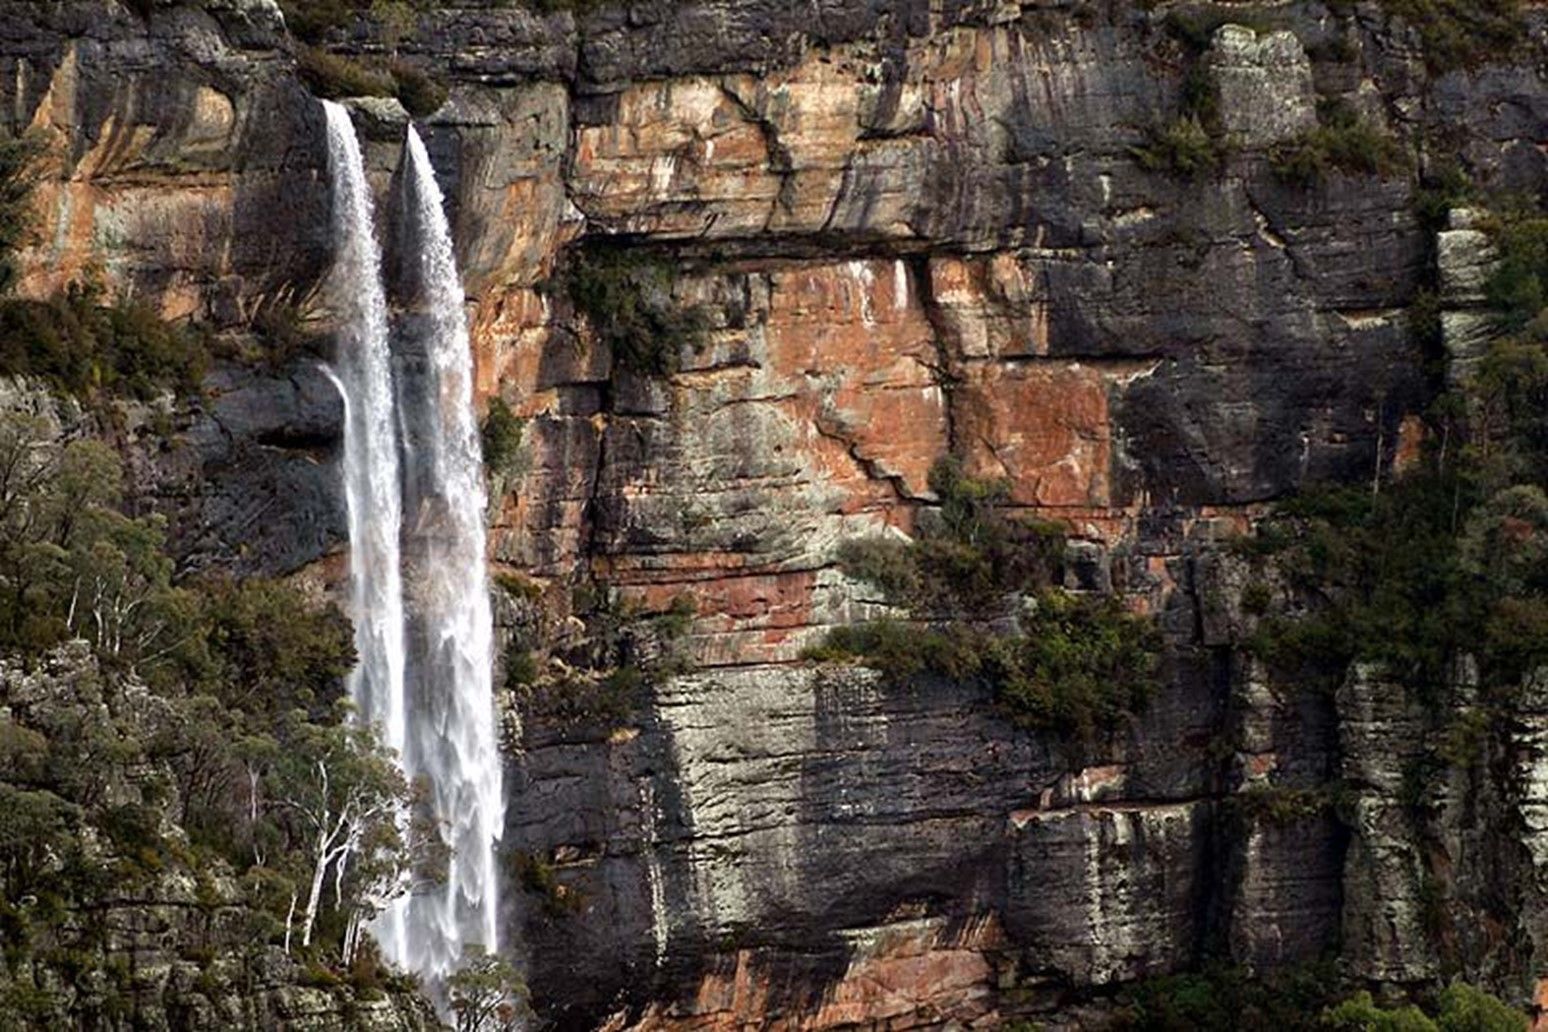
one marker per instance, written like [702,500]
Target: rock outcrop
[911,229]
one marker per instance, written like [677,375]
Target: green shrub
[501,435]
[1342,141]
[626,297]
[1182,147]
[1360,1013]
[967,555]
[311,20]
[521,668]
[1080,663]
[1464,1008]
[333,76]
[884,562]
[1281,804]
[1257,598]
[1443,189]
[282,339]
[587,698]
[519,587]
[1462,33]
[538,876]
[1386,566]
[1071,663]
[420,94]
[1460,1008]
[901,650]
[1220,997]
[83,347]
[605,676]
[673,622]
[1517,288]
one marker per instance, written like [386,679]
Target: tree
[1464,1008]
[121,598]
[342,800]
[487,994]
[269,648]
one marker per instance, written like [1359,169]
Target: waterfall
[451,740]
[418,584]
[363,375]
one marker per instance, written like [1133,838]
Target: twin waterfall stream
[414,487]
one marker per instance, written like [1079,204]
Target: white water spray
[451,732]
[424,639]
[363,375]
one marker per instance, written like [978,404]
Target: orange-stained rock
[852,341]
[740,154]
[814,416]
[1043,426]
[510,336]
[1410,444]
[989,306]
[914,974]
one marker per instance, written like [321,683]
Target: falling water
[451,736]
[363,374]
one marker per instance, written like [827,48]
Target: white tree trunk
[290,917]
[314,897]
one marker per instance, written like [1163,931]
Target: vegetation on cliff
[156,734]
[334,76]
[627,298]
[1303,998]
[1459,33]
[500,438]
[18,158]
[83,346]
[596,676]
[980,588]
[77,341]
[1191,144]
[1342,141]
[1447,559]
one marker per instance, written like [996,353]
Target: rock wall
[917,228]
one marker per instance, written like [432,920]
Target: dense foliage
[487,995]
[627,298]
[1459,1008]
[82,346]
[199,729]
[312,20]
[500,436]
[597,679]
[1460,33]
[1183,147]
[1342,141]
[1447,559]
[1306,998]
[1074,663]
[335,76]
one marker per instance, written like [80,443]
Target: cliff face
[914,229]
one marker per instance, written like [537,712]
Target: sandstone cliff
[913,228]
